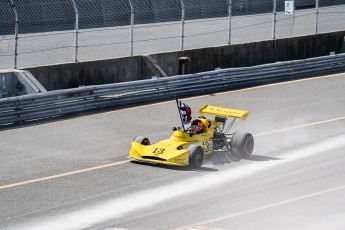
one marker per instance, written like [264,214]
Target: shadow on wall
[251,54]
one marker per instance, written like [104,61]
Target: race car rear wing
[224,112]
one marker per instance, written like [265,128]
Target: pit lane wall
[17,83]
[72,75]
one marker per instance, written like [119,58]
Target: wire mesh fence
[7,34]
[45,32]
[206,21]
[103,31]
[254,22]
[156,25]
[331,16]
[37,33]
[298,23]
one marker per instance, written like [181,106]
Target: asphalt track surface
[74,173]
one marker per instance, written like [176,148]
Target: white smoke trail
[121,206]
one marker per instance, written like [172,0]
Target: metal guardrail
[62,102]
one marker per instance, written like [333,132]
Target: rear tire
[196,156]
[242,144]
[142,140]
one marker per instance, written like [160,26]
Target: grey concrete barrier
[71,75]
[18,82]
[67,101]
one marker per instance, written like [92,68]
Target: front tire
[142,140]
[242,144]
[196,156]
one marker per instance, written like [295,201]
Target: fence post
[274,20]
[183,15]
[76,11]
[16,32]
[132,28]
[229,20]
[316,16]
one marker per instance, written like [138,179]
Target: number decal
[207,145]
[158,150]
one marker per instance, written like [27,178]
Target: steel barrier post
[76,11]
[183,15]
[132,28]
[16,32]
[229,20]
[274,20]
[316,16]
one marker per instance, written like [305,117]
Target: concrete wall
[17,83]
[7,85]
[73,75]
[254,53]
[139,67]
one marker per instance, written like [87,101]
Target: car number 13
[158,150]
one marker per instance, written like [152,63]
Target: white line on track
[119,207]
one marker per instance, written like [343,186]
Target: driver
[197,127]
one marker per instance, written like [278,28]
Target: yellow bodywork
[174,151]
[224,112]
[163,152]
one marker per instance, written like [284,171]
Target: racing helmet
[197,126]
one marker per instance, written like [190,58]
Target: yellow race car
[188,147]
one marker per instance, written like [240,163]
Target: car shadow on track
[178,168]
[263,158]
[218,158]
[223,157]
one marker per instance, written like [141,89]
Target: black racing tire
[242,144]
[142,140]
[196,156]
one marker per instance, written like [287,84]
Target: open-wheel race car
[188,147]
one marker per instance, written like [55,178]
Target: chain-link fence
[8,25]
[37,33]
[45,32]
